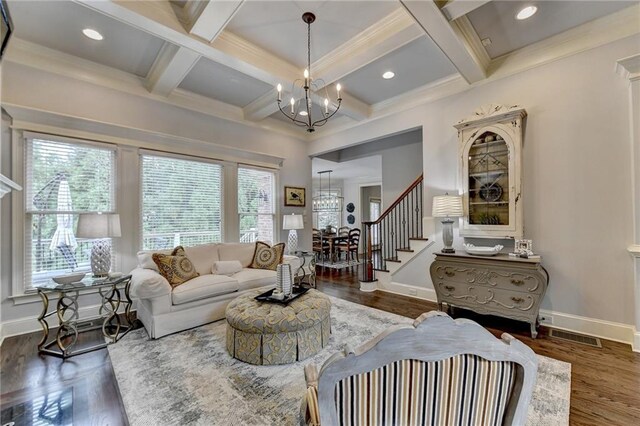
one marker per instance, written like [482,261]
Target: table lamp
[447,206]
[292,222]
[101,227]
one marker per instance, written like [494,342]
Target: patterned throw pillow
[267,257]
[176,267]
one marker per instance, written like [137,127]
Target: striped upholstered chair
[435,372]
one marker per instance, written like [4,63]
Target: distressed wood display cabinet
[490,167]
[500,285]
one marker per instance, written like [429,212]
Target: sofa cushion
[176,267]
[267,257]
[237,251]
[202,257]
[251,278]
[226,267]
[203,287]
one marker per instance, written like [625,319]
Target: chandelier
[327,200]
[300,112]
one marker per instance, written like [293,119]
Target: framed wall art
[294,196]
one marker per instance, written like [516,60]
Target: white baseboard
[617,332]
[31,324]
[410,290]
[623,333]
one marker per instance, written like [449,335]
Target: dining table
[333,240]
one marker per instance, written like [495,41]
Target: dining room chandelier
[305,91]
[326,200]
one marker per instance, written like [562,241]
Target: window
[256,206]
[181,202]
[63,179]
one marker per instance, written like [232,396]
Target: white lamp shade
[98,225]
[292,221]
[447,206]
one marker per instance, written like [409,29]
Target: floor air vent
[578,338]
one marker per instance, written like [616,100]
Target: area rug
[189,378]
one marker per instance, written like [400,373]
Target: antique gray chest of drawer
[499,285]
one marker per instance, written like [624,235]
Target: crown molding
[42,58]
[629,67]
[54,123]
[590,35]
[587,36]
[388,34]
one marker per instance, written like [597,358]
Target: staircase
[393,239]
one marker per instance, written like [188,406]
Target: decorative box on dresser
[501,285]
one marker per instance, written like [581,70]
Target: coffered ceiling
[224,57]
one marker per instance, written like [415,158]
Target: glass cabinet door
[490,172]
[488,180]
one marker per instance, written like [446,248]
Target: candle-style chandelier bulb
[311,89]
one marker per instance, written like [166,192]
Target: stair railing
[399,223]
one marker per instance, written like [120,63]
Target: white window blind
[256,204]
[181,202]
[63,179]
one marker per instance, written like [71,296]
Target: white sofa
[201,300]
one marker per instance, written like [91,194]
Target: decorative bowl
[69,278]
[482,251]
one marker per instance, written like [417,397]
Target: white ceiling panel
[59,24]
[497,21]
[415,64]
[219,82]
[277,26]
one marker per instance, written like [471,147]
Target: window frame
[276,198]
[185,157]
[20,288]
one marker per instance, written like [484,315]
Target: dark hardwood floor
[605,383]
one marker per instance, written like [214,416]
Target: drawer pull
[517,299]
[517,282]
[449,273]
[449,287]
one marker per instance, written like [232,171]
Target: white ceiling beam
[209,19]
[381,38]
[264,106]
[386,35]
[455,9]
[160,20]
[170,68]
[448,38]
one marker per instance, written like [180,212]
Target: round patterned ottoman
[269,333]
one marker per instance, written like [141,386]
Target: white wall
[50,102]
[577,174]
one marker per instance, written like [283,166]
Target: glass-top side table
[306,273]
[114,293]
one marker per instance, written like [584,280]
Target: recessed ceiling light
[388,75]
[92,34]
[526,12]
[303,113]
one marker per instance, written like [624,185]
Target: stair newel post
[368,266]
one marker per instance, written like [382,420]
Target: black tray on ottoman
[296,292]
